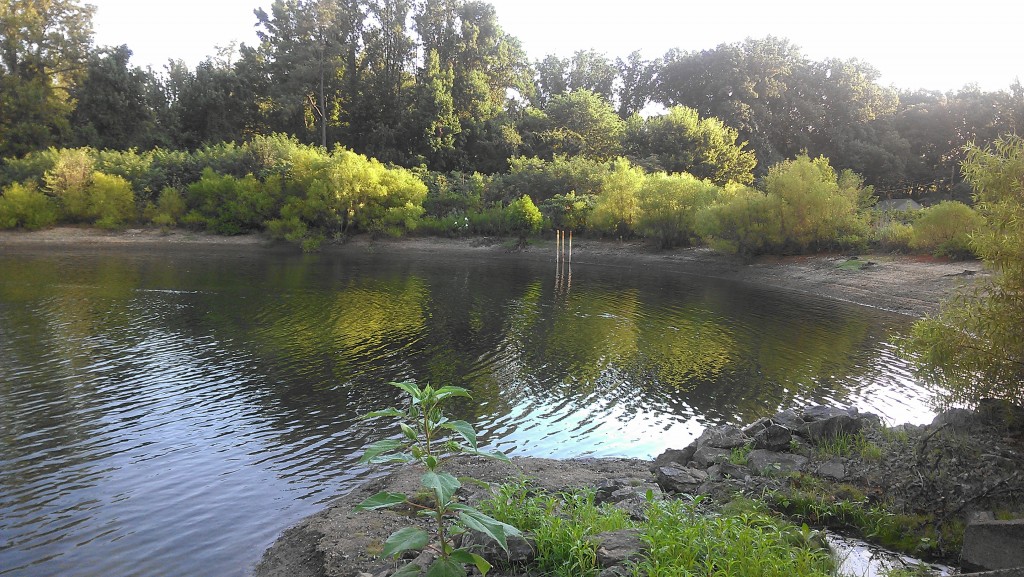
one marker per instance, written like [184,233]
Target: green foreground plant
[427,440]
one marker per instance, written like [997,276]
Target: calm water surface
[170,413]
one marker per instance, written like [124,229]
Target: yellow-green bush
[69,181]
[806,206]
[110,201]
[945,229]
[617,206]
[23,206]
[669,205]
[741,222]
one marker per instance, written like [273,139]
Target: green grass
[846,445]
[684,542]
[744,539]
[561,524]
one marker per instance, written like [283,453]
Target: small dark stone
[820,412]
[834,469]
[520,549]
[830,428]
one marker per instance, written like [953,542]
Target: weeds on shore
[847,445]
[818,502]
[681,538]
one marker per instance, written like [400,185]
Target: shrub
[169,208]
[544,179]
[741,223]
[806,206]
[229,205]
[23,206]
[568,211]
[617,207]
[69,182]
[110,201]
[893,236]
[524,218]
[136,168]
[818,206]
[29,168]
[669,204]
[945,230]
[453,193]
[973,349]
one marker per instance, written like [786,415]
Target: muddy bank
[928,478]
[909,285]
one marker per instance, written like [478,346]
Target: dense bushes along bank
[307,195]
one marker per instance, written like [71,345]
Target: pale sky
[937,44]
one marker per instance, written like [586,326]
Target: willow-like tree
[974,348]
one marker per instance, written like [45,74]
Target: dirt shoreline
[910,285]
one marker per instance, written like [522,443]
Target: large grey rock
[773,438]
[617,547]
[830,428]
[724,437]
[678,457]
[993,545]
[822,412]
[751,429]
[789,419]
[761,461]
[706,456]
[680,479]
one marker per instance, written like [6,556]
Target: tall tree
[113,104]
[379,125]
[305,42]
[577,123]
[44,46]
[638,78]
[681,141]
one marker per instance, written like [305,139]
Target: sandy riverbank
[905,284]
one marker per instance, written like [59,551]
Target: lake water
[170,412]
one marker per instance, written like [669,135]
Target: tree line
[440,85]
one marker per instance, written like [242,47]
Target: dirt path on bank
[911,285]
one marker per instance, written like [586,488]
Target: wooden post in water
[570,246]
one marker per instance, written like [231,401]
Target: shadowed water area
[170,412]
